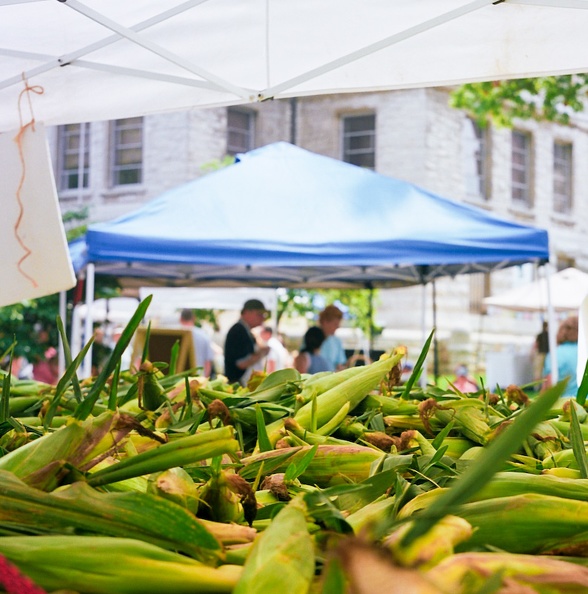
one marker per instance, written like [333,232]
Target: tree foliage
[358,304]
[551,98]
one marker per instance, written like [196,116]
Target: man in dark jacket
[242,353]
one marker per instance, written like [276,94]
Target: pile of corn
[153,481]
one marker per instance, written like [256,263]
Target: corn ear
[79,507]
[282,557]
[331,464]
[352,390]
[528,524]
[427,550]
[469,572]
[103,565]
[187,449]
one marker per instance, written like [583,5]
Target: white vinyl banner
[35,258]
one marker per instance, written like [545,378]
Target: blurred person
[100,351]
[46,370]
[278,356]
[202,342]
[463,382]
[567,357]
[332,348]
[310,360]
[242,353]
[541,349]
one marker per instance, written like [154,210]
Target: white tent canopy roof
[107,59]
[567,290]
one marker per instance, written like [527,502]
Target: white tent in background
[567,290]
[562,291]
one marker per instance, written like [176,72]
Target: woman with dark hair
[309,360]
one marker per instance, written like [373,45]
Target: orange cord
[19,140]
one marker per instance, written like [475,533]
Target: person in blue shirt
[332,348]
[309,359]
[566,355]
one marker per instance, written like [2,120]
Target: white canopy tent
[107,59]
[567,289]
[562,291]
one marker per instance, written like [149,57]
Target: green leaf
[295,470]
[583,389]
[263,439]
[418,366]
[577,440]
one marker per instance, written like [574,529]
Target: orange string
[19,142]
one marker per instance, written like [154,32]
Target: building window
[477,159]
[240,127]
[127,151]
[562,177]
[359,140]
[521,169]
[73,161]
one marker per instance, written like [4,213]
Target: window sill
[121,192]
[566,220]
[479,202]
[523,212]
[82,195]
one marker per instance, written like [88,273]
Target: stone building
[533,174]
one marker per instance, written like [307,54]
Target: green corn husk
[42,463]
[428,549]
[103,565]
[184,450]
[330,465]
[19,405]
[528,524]
[464,573]
[151,394]
[81,508]
[282,557]
[468,416]
[176,485]
[352,390]
[368,515]
[389,405]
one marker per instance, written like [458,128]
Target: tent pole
[551,322]
[435,343]
[87,364]
[423,378]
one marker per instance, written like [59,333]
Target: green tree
[308,303]
[551,98]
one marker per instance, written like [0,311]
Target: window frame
[563,203]
[480,184]
[526,187]
[348,153]
[116,128]
[82,171]
[247,133]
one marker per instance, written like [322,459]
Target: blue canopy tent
[283,216]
